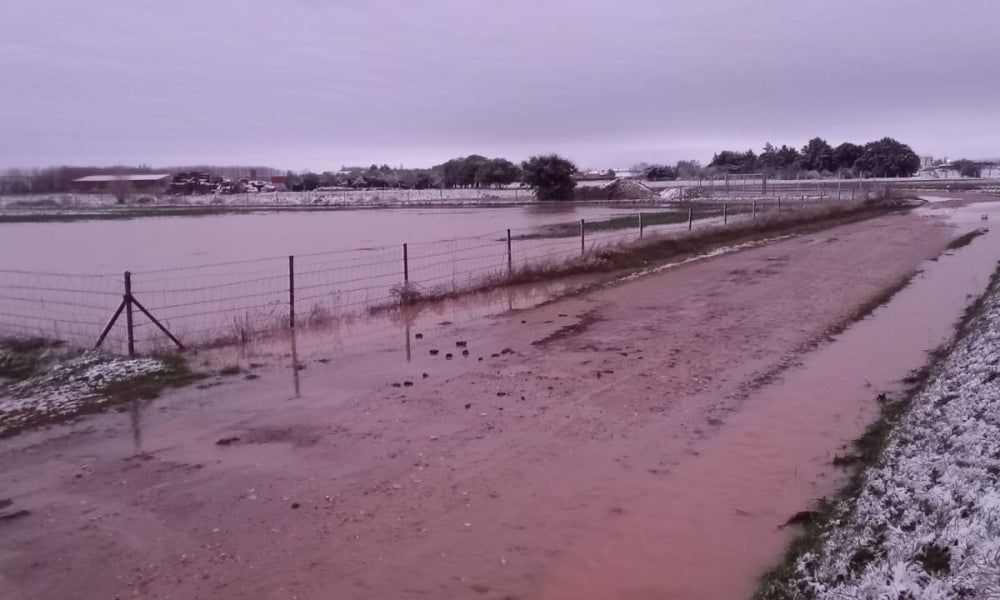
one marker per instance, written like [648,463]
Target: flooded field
[169,242]
[230,277]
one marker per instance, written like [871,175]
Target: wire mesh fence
[235,302]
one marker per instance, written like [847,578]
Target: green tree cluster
[551,176]
[882,158]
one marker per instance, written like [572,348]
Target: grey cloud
[319,84]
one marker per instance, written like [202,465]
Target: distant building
[147,183]
[926,161]
[941,171]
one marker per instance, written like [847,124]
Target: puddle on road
[393,330]
[712,528]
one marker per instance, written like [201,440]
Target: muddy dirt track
[578,459]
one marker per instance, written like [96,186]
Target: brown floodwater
[723,509]
[226,277]
[154,243]
[623,447]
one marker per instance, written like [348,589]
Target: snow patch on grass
[67,388]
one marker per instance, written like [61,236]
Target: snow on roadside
[926,523]
[69,387]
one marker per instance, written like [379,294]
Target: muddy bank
[598,435]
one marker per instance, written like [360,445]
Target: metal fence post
[725,213]
[510,257]
[583,242]
[406,265]
[128,314]
[640,225]
[291,292]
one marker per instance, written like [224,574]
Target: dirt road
[578,459]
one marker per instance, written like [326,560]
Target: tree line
[473,171]
[818,158]
[886,157]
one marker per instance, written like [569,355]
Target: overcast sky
[319,84]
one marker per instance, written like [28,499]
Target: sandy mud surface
[644,440]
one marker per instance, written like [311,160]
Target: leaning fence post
[128,314]
[691,213]
[406,266]
[291,292]
[583,242]
[510,256]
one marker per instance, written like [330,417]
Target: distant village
[189,183]
[250,180]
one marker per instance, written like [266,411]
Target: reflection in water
[135,421]
[362,332]
[295,361]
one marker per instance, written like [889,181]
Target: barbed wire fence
[237,302]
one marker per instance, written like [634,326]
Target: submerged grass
[176,372]
[966,239]
[868,450]
[572,229]
[111,214]
[673,216]
[630,257]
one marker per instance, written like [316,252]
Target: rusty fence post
[128,314]
[510,256]
[291,292]
[126,306]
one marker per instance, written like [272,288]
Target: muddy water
[723,509]
[594,497]
[227,277]
[169,242]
